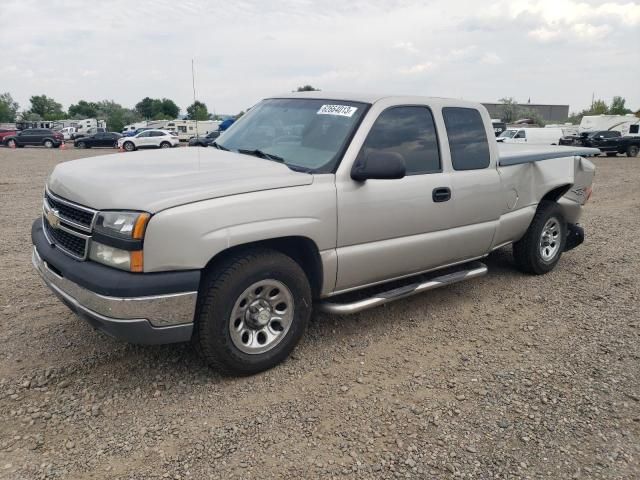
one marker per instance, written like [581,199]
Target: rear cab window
[467,138]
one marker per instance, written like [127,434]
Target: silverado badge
[53,218]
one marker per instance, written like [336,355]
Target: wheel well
[301,249]
[555,194]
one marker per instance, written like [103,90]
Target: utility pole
[193,84]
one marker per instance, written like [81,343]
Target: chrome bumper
[151,320]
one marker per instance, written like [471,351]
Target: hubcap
[261,316]
[550,239]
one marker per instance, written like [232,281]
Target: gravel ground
[506,376]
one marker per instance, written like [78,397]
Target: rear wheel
[540,249]
[165,145]
[632,151]
[252,311]
[48,144]
[129,146]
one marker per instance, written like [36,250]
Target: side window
[467,138]
[521,134]
[144,135]
[410,132]
[634,129]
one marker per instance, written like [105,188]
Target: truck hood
[154,180]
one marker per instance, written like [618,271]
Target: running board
[472,270]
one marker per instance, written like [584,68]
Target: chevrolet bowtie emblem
[53,218]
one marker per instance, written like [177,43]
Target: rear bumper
[137,308]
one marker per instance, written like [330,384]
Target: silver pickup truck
[342,201]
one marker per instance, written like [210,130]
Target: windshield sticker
[342,110]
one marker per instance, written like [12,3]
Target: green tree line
[42,107]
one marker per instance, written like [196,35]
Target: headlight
[118,238]
[130,261]
[128,225]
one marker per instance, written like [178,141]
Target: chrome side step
[473,270]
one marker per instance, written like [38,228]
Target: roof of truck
[370,97]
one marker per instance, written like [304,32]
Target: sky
[548,51]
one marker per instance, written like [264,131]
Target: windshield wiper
[260,154]
[218,146]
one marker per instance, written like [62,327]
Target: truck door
[520,136]
[392,228]
[476,192]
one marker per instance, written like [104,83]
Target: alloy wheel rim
[550,239]
[261,316]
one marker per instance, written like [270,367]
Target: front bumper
[163,317]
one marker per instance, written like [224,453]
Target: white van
[535,136]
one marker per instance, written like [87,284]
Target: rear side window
[467,138]
[409,131]
[634,129]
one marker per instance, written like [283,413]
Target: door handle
[441,194]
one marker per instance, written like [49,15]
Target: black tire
[129,146]
[48,143]
[632,151]
[220,291]
[81,145]
[527,251]
[11,143]
[612,154]
[165,145]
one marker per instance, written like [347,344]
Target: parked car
[101,139]
[205,140]
[4,133]
[232,246]
[149,139]
[88,132]
[540,136]
[35,137]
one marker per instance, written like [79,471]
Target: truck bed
[515,154]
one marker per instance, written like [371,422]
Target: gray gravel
[507,376]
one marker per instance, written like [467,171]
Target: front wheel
[129,146]
[252,311]
[539,250]
[82,145]
[48,144]
[632,151]
[11,143]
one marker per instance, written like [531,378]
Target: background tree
[157,109]
[509,109]
[599,107]
[116,115]
[83,109]
[198,111]
[617,106]
[307,88]
[8,108]
[46,107]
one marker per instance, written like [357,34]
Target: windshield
[305,133]
[508,134]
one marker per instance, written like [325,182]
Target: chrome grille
[67,225]
[68,242]
[72,213]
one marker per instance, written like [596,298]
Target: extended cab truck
[308,198]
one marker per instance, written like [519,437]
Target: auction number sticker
[341,110]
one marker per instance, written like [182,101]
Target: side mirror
[377,165]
